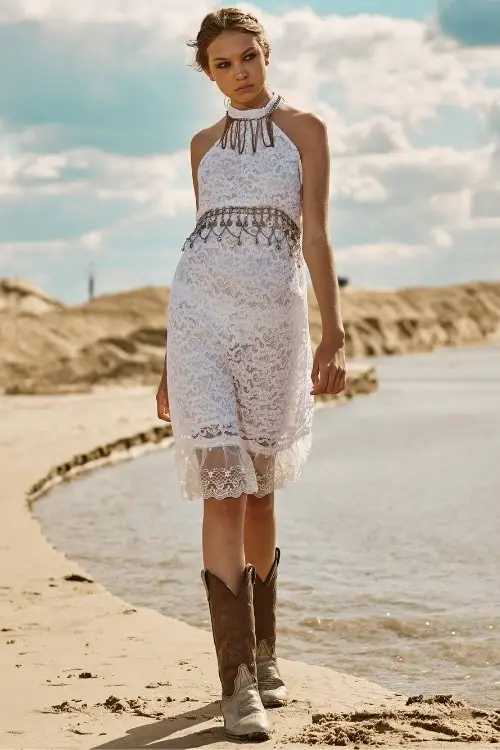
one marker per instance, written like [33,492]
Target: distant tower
[91,284]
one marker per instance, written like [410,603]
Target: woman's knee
[227,512]
[257,507]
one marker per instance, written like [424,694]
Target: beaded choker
[257,122]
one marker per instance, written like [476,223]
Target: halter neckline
[252,114]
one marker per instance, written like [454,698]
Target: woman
[236,384]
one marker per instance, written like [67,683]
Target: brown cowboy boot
[233,628]
[272,689]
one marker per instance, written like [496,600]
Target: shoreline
[87,669]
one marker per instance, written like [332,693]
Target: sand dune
[18,296]
[416,319]
[120,338]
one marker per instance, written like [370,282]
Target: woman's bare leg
[260,533]
[230,585]
[223,539]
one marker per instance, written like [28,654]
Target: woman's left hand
[328,371]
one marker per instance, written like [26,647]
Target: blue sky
[419,9]
[98,104]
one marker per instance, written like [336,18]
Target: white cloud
[334,38]
[378,134]
[486,203]
[357,187]
[436,178]
[160,182]
[454,208]
[441,237]
[92,241]
[172,17]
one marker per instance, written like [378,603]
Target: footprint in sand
[440,717]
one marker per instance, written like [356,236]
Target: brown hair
[214,23]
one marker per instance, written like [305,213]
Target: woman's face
[237,64]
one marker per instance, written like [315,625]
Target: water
[390,553]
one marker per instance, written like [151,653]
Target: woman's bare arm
[329,366]
[317,248]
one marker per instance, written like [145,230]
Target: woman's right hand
[162,408]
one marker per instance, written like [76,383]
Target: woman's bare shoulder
[203,140]
[301,126]
[298,114]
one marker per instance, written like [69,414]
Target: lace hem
[260,223]
[225,471]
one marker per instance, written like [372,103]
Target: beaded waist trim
[261,223]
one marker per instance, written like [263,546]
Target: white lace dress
[238,348]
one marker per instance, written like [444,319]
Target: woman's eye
[250,56]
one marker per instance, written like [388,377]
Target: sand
[83,669]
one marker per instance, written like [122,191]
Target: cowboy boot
[233,629]
[272,689]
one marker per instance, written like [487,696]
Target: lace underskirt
[225,471]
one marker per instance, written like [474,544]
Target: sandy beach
[84,669]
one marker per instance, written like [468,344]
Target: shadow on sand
[156,734]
